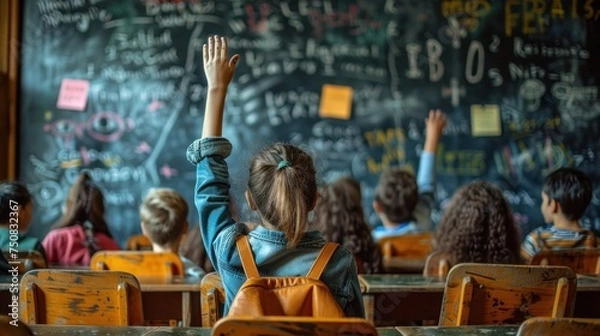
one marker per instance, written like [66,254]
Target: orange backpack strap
[248,264]
[322,259]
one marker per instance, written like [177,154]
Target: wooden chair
[139,243]
[480,294]
[212,299]
[559,327]
[80,298]
[437,264]
[139,263]
[291,326]
[581,261]
[29,260]
[405,253]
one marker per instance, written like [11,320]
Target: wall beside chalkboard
[117,88]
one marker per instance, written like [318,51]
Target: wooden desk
[175,299]
[400,299]
[459,331]
[54,330]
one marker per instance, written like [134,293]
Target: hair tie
[283,163]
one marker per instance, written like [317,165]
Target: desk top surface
[459,331]
[378,283]
[147,284]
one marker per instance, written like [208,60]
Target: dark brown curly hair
[478,226]
[339,216]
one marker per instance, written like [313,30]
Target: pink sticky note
[73,94]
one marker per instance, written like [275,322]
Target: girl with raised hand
[282,189]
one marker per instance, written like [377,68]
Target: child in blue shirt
[402,202]
[282,188]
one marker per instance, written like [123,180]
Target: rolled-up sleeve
[212,190]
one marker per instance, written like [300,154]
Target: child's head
[282,188]
[478,226]
[396,195]
[15,194]
[84,204]
[567,191]
[164,217]
[339,216]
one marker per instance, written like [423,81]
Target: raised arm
[209,153]
[435,124]
[219,70]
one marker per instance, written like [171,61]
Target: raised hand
[218,68]
[435,123]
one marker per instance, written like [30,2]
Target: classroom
[390,167]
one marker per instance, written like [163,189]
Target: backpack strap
[248,264]
[322,259]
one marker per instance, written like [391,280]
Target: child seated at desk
[478,226]
[164,221]
[82,230]
[340,218]
[566,194]
[402,202]
[282,189]
[16,209]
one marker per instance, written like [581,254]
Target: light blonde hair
[164,215]
[284,188]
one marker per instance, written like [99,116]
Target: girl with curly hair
[340,218]
[478,226]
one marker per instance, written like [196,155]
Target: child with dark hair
[340,218]
[478,226]
[566,194]
[282,189]
[82,230]
[16,210]
[402,202]
[164,221]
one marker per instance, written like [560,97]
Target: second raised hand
[217,67]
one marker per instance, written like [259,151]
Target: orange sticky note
[336,101]
[73,94]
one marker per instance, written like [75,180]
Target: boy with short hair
[566,194]
[15,193]
[402,202]
[164,221]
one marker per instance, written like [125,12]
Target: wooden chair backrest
[28,260]
[139,243]
[437,264]
[581,261]
[416,245]
[559,327]
[405,253]
[80,298]
[291,326]
[486,294]
[212,299]
[139,263]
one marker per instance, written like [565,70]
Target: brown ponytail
[283,186]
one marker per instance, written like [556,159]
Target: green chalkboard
[518,80]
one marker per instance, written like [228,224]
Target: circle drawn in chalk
[106,126]
[532,91]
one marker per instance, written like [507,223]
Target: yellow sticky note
[336,101]
[485,120]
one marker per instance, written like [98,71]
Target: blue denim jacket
[273,258]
